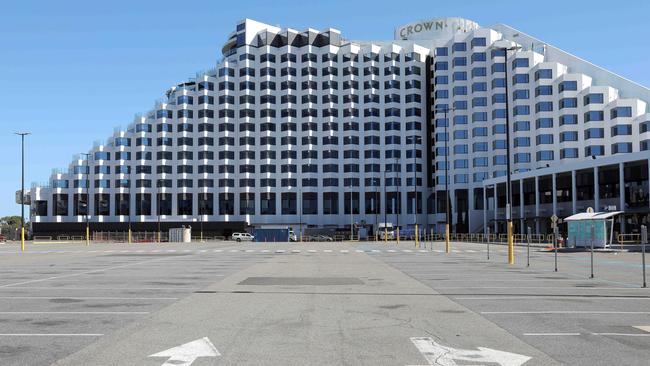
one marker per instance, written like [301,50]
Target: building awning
[592,216]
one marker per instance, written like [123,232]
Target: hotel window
[594,133]
[593,98]
[623,147]
[568,103]
[545,155]
[569,153]
[568,119]
[620,112]
[595,150]
[569,136]
[545,139]
[479,42]
[543,90]
[567,86]
[622,130]
[594,116]
[520,79]
[521,126]
[522,141]
[543,74]
[520,62]
[522,158]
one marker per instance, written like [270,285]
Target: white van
[242,237]
[385,230]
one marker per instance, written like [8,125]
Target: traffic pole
[592,251]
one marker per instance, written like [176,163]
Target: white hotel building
[310,128]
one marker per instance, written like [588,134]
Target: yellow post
[201,236]
[447,247]
[511,245]
[129,239]
[87,236]
[385,235]
[417,242]
[158,237]
[398,235]
[22,239]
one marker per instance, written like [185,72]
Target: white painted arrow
[187,353]
[437,354]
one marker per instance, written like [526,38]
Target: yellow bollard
[129,239]
[22,239]
[87,236]
[398,235]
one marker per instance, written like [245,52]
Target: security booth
[585,227]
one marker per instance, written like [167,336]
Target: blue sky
[73,71]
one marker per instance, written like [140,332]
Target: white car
[292,236]
[242,237]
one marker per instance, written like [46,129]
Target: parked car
[292,236]
[324,238]
[242,237]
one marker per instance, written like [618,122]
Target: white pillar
[574,193]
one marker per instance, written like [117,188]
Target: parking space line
[80,273]
[623,334]
[84,298]
[73,312]
[551,334]
[51,334]
[566,312]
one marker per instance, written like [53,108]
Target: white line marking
[249,251]
[359,251]
[327,251]
[470,251]
[497,297]
[344,251]
[391,250]
[74,312]
[622,334]
[551,334]
[265,250]
[85,298]
[437,354]
[567,312]
[645,328]
[51,334]
[186,354]
[407,250]
[218,250]
[311,251]
[81,273]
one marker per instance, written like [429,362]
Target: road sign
[187,353]
[554,218]
[437,354]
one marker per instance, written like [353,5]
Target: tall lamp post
[87,158]
[398,201]
[415,192]
[511,249]
[22,189]
[446,110]
[385,209]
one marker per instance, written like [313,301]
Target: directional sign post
[187,353]
[437,354]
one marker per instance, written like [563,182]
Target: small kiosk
[591,226]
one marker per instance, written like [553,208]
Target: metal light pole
[415,194]
[129,209]
[300,199]
[22,189]
[511,249]
[385,209]
[398,201]
[446,110]
[87,156]
[158,206]
[351,213]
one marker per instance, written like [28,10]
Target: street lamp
[22,189]
[511,249]
[415,192]
[87,158]
[300,199]
[446,110]
[398,201]
[385,209]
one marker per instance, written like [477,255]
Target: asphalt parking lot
[318,303]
